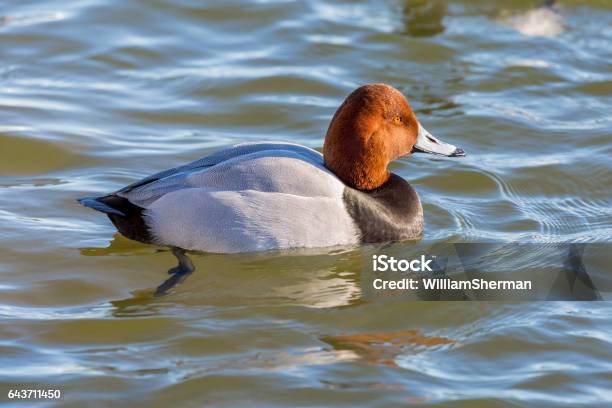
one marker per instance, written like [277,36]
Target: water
[96,94]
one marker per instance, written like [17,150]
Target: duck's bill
[426,143]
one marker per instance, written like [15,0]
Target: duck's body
[260,196]
[263,196]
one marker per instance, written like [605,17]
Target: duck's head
[374,126]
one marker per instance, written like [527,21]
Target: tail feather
[127,217]
[97,204]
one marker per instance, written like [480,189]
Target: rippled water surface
[96,94]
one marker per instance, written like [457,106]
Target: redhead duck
[273,195]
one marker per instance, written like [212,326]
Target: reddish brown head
[374,126]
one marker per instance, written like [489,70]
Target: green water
[97,94]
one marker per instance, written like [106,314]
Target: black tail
[127,217]
[97,203]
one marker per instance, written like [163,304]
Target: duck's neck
[358,170]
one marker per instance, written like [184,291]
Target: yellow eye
[397,120]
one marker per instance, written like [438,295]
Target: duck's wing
[219,157]
[151,188]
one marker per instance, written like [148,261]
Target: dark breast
[391,212]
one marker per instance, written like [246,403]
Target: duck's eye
[397,120]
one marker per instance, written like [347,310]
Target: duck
[265,196]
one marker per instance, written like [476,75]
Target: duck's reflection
[120,245]
[308,278]
[384,347]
